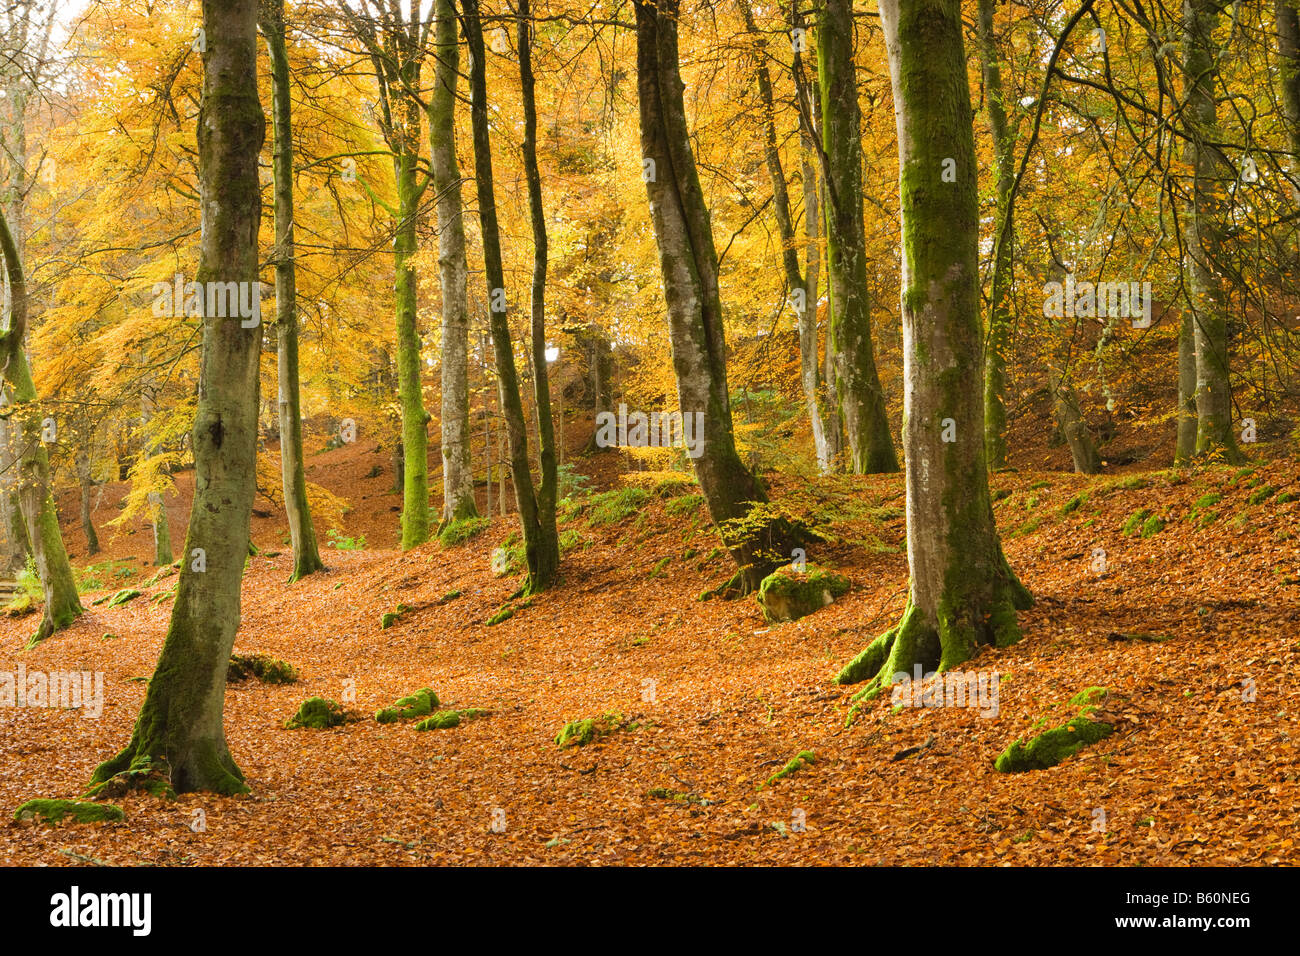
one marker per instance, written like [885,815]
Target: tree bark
[862,402]
[179,730]
[963,593]
[306,555]
[457,471]
[1288,49]
[688,262]
[1205,222]
[541,549]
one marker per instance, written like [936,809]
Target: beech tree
[962,592]
[179,739]
[306,556]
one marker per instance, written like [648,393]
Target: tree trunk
[1288,50]
[862,403]
[688,262]
[1069,419]
[803,298]
[999,328]
[62,606]
[541,549]
[306,555]
[548,543]
[1205,221]
[179,730]
[1185,449]
[963,593]
[457,471]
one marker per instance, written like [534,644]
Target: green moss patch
[79,811]
[1261,494]
[787,595]
[317,713]
[504,614]
[1135,521]
[804,758]
[263,667]
[579,733]
[419,704]
[389,618]
[446,719]
[611,507]
[449,596]
[1153,525]
[458,532]
[1075,503]
[143,775]
[1052,746]
[119,598]
[679,796]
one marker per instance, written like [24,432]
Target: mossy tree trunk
[1000,303]
[1212,174]
[1287,17]
[306,554]
[179,728]
[35,501]
[688,262]
[963,594]
[803,294]
[861,399]
[457,470]
[541,546]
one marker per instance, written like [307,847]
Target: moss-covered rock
[263,667]
[80,811]
[579,733]
[317,713]
[419,704]
[1052,746]
[389,618]
[787,595]
[446,719]
[801,760]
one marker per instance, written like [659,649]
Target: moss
[265,668]
[1262,494]
[678,796]
[1052,746]
[81,811]
[1075,503]
[685,505]
[571,538]
[449,596]
[458,532]
[1134,521]
[1153,525]
[446,719]
[143,774]
[419,704]
[504,614]
[612,507]
[1040,484]
[389,618]
[674,486]
[658,570]
[1284,498]
[317,713]
[803,759]
[118,599]
[786,594]
[579,733]
[1213,498]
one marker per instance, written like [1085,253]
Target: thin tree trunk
[541,550]
[1288,51]
[62,605]
[457,470]
[862,402]
[1069,419]
[1185,448]
[963,593]
[306,555]
[1214,432]
[179,731]
[689,264]
[87,488]
[999,327]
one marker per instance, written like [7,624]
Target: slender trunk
[537,546]
[15,528]
[87,488]
[963,593]
[306,555]
[862,402]
[1000,318]
[179,731]
[1069,419]
[1288,53]
[548,539]
[1185,449]
[688,262]
[457,471]
[62,606]
[1205,220]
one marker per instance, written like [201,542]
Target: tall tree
[1205,222]
[1287,16]
[179,732]
[802,289]
[862,402]
[963,593]
[688,262]
[306,555]
[457,473]
[62,605]
[541,546]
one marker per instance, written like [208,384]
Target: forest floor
[1203,768]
